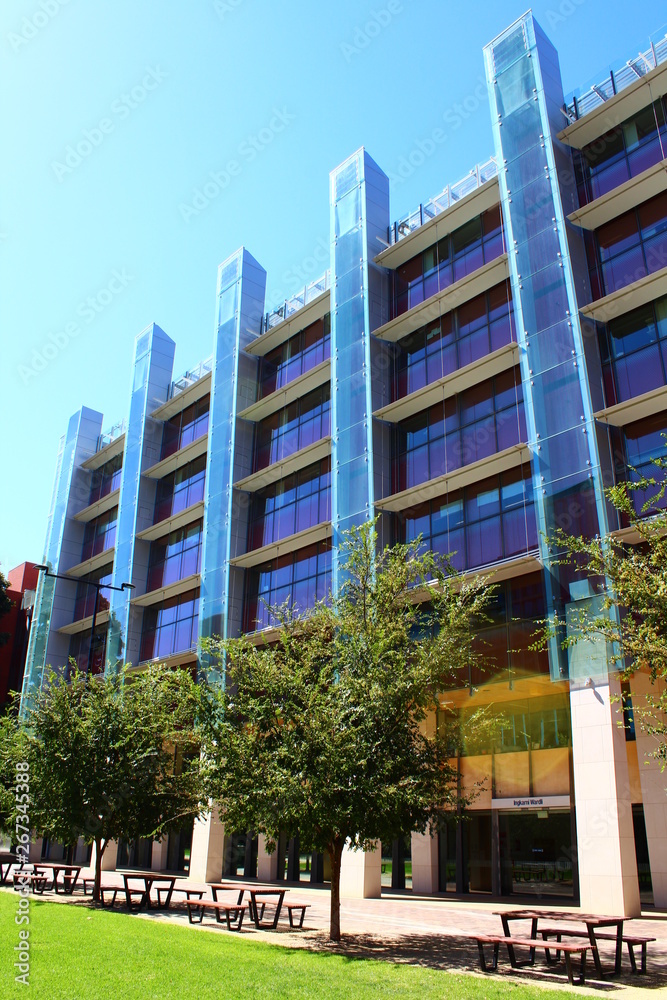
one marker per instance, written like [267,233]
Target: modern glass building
[477,372]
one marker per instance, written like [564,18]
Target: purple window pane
[474,347]
[468,262]
[182,639]
[416,293]
[610,177]
[655,250]
[507,425]
[514,532]
[500,332]
[437,466]
[624,269]
[417,376]
[493,247]
[417,466]
[434,367]
[638,373]
[457,549]
[478,441]
[484,542]
[165,640]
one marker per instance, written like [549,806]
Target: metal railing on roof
[189,377]
[297,301]
[579,104]
[106,437]
[479,175]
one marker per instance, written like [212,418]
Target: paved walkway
[426,931]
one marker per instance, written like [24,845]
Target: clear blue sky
[170,92]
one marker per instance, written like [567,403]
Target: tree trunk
[335,852]
[99,851]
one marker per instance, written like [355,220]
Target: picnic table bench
[569,949]
[36,880]
[232,913]
[257,901]
[7,859]
[593,923]
[296,912]
[631,940]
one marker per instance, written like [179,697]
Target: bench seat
[581,948]
[296,912]
[631,940]
[232,914]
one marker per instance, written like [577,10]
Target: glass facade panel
[295,357]
[297,579]
[187,426]
[170,627]
[482,325]
[494,519]
[151,377]
[296,426]
[526,97]
[87,595]
[241,290]
[99,534]
[106,479]
[180,489]
[464,429]
[466,250]
[175,556]
[293,504]
[629,247]
[626,151]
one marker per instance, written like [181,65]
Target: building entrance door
[536,853]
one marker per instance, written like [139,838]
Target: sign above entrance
[533,802]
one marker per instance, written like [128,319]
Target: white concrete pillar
[208,844]
[605,837]
[654,787]
[159,854]
[267,864]
[35,852]
[425,863]
[108,858]
[361,873]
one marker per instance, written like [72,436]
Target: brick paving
[427,931]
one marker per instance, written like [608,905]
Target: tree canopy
[113,757]
[330,733]
[629,572]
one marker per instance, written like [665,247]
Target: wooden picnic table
[6,861]
[592,921]
[256,905]
[148,880]
[70,874]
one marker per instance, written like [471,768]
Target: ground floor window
[508,853]
[397,864]
[536,853]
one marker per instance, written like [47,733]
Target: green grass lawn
[79,953]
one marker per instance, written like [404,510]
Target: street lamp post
[89,583]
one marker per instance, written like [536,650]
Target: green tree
[329,733]
[629,573]
[103,759]
[10,753]
[6,604]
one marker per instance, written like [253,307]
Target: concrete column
[35,853]
[159,854]
[606,845]
[654,789]
[361,873]
[108,858]
[425,863]
[208,842]
[267,864]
